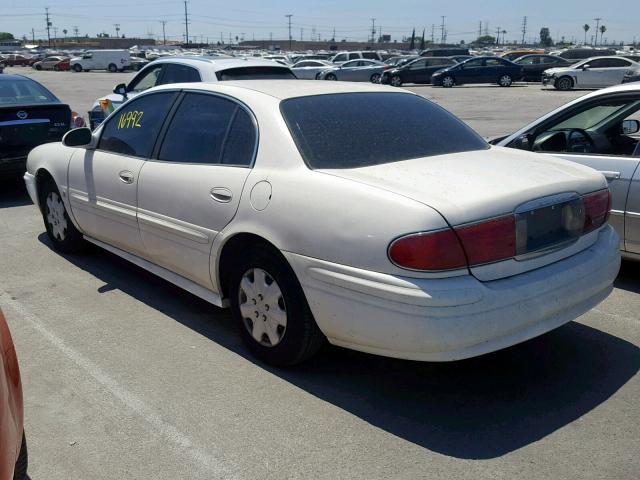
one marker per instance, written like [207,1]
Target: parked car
[29,116]
[56,63]
[512,55]
[575,54]
[137,64]
[631,77]
[400,60]
[534,65]
[444,52]
[367,55]
[417,71]
[110,60]
[13,454]
[596,72]
[599,130]
[188,69]
[479,70]
[443,252]
[17,60]
[460,58]
[355,71]
[309,69]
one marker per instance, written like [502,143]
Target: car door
[191,189]
[414,71]
[593,73]
[614,71]
[103,182]
[471,71]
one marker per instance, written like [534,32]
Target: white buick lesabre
[362,214]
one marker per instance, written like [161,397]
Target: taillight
[596,210]
[489,241]
[78,121]
[439,250]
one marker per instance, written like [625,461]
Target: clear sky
[351,19]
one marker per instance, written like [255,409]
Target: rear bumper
[454,318]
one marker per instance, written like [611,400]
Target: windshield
[24,92]
[256,73]
[351,130]
[594,116]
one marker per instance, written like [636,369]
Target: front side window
[528,60]
[134,127]
[341,58]
[592,116]
[418,65]
[421,129]
[146,80]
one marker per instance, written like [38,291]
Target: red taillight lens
[428,251]
[596,207]
[489,241]
[78,121]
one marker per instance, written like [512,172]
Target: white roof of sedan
[218,63]
[283,89]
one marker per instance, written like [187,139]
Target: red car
[13,446]
[53,63]
[15,60]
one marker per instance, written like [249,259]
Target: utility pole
[480,29]
[48,25]
[55,34]
[333,39]
[433,31]
[186,23]
[524,28]
[117,27]
[33,35]
[289,19]
[164,37]
[75,31]
[498,30]
[597,28]
[443,36]
[373,30]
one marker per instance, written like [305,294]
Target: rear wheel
[505,81]
[396,81]
[271,310]
[77,68]
[38,67]
[330,76]
[564,83]
[375,78]
[63,234]
[448,81]
[113,68]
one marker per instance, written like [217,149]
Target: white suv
[189,69]
[367,54]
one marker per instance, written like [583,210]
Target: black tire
[448,81]
[395,81]
[77,68]
[20,471]
[301,338]
[505,81]
[375,78]
[113,68]
[563,83]
[64,236]
[38,67]
[330,76]
[56,68]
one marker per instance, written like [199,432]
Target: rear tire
[113,68]
[375,78]
[20,470]
[38,67]
[264,289]
[63,234]
[77,68]
[330,76]
[564,83]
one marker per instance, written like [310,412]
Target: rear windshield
[351,130]
[256,73]
[24,92]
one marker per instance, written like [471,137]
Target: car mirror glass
[78,137]
[120,89]
[629,127]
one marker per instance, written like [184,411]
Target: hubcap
[447,81]
[505,81]
[55,216]
[395,81]
[264,313]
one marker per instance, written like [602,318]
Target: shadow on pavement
[13,193]
[474,409]
[629,276]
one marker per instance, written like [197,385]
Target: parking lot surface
[127,376]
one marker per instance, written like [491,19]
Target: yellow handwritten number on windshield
[130,119]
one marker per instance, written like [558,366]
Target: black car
[534,65]
[416,71]
[30,115]
[444,52]
[575,54]
[479,70]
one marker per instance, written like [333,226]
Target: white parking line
[203,458]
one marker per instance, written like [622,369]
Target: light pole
[289,19]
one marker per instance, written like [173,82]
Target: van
[111,60]
[367,54]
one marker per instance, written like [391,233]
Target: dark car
[29,116]
[479,70]
[416,71]
[534,65]
[400,60]
[460,58]
[576,54]
[16,60]
[444,52]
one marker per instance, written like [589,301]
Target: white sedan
[412,239]
[595,72]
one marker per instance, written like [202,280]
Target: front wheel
[63,234]
[375,78]
[38,67]
[448,81]
[505,81]
[330,76]
[564,83]
[271,310]
[396,81]
[77,68]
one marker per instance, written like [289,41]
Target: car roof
[283,89]
[216,63]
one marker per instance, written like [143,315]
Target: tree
[545,37]
[486,40]
[422,40]
[6,36]
[602,30]
[586,27]
[412,45]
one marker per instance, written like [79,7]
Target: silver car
[309,69]
[355,71]
[594,72]
[600,130]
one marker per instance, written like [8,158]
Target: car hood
[470,186]
[557,70]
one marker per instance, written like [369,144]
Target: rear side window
[353,56]
[370,55]
[256,73]
[132,129]
[174,73]
[240,142]
[419,129]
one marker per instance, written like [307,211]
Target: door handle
[221,194]
[610,175]
[126,176]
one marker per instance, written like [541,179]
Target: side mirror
[78,137]
[586,67]
[120,89]
[630,127]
